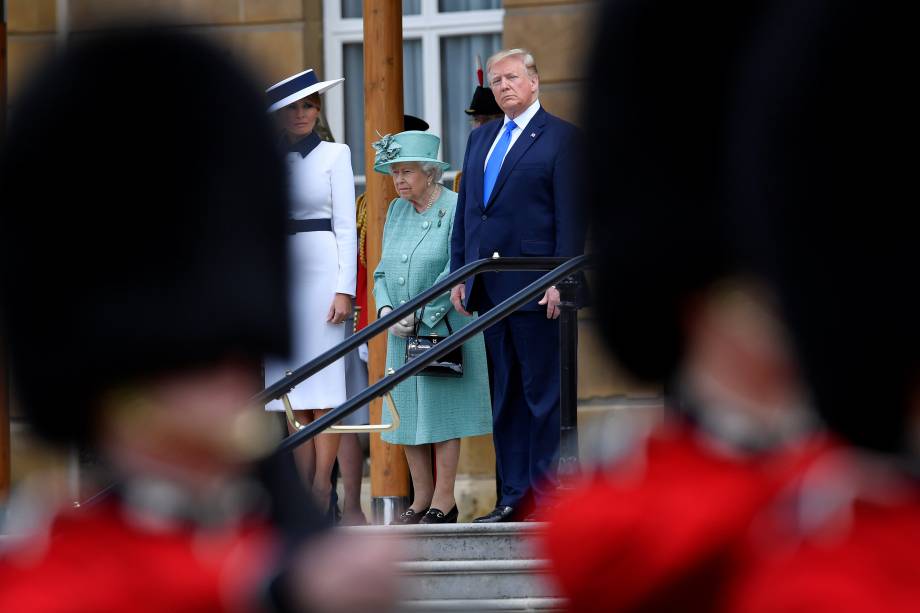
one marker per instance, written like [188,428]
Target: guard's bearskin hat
[763,138]
[655,105]
[825,185]
[141,224]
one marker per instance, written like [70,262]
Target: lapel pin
[441,214]
[533,135]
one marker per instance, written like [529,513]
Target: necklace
[434,196]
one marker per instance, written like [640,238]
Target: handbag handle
[418,322]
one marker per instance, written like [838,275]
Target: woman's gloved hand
[405,327]
[401,328]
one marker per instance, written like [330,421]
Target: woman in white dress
[323,252]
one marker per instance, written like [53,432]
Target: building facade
[276,38]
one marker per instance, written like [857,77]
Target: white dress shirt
[521,121]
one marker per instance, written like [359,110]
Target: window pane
[355,8]
[354,103]
[413,102]
[449,6]
[354,93]
[458,82]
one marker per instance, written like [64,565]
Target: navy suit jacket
[533,208]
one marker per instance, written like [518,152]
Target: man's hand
[551,300]
[457,296]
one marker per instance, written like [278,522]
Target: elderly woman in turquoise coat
[435,411]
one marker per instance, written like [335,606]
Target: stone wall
[281,37]
[275,37]
[556,31]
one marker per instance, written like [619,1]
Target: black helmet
[483,103]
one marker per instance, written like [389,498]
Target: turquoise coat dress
[415,256]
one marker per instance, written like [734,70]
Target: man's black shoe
[498,514]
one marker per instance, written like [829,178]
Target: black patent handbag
[450,365]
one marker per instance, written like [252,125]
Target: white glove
[362,352]
[405,327]
[401,328]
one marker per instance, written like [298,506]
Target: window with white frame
[441,41]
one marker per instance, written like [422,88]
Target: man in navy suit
[518,198]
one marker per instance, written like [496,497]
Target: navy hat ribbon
[298,83]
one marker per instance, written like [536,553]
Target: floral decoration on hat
[387,149]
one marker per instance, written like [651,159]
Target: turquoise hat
[410,146]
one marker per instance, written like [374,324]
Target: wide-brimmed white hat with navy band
[296,87]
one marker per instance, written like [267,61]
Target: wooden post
[4,392]
[383,114]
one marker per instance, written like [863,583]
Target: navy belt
[295,226]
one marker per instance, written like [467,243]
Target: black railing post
[568,379]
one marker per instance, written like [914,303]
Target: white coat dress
[321,264]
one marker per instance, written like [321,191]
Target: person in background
[323,247]
[151,362]
[434,411]
[351,454]
[519,197]
[482,110]
[483,107]
[351,451]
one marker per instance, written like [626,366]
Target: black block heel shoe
[436,516]
[409,517]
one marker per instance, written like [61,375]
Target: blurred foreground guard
[660,528]
[144,276]
[821,176]
[762,157]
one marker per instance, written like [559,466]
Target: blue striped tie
[494,164]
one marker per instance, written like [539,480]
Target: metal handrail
[561,268]
[568,267]
[280,388]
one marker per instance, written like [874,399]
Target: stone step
[454,542]
[484,604]
[470,567]
[474,579]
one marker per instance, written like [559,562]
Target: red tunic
[361,297]
[864,556]
[662,532]
[97,560]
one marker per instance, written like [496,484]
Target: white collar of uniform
[524,118]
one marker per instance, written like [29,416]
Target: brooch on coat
[387,149]
[441,214]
